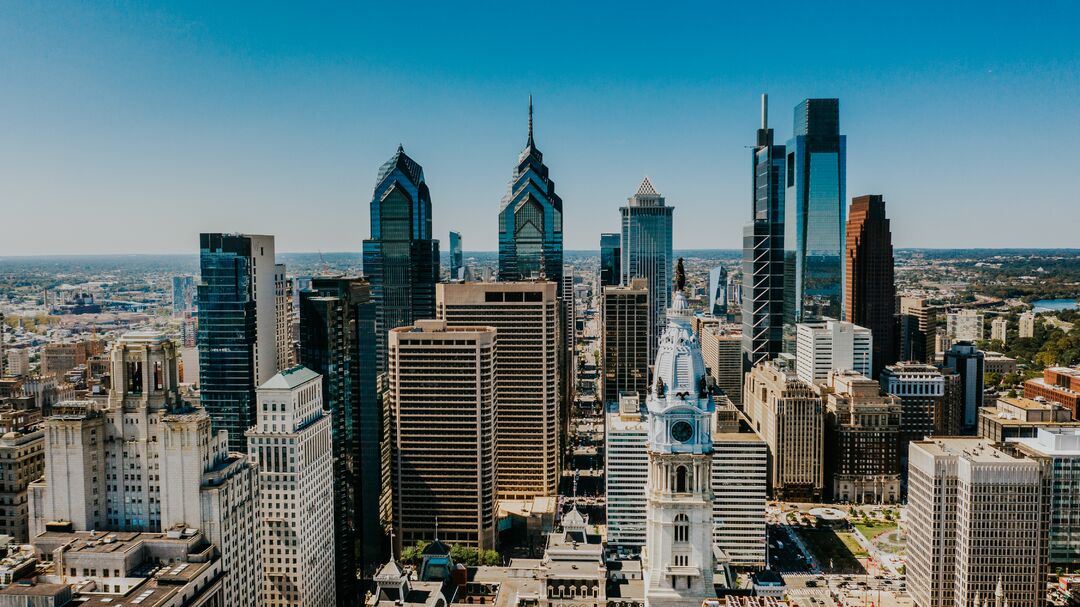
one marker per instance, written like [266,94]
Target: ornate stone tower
[678,557]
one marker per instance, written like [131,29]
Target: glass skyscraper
[530,220]
[814,213]
[401,259]
[610,258]
[718,296]
[646,252]
[457,260]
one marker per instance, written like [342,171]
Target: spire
[530,121]
[764,111]
[400,149]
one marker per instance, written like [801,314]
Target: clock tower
[678,557]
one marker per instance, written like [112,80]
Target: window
[680,479]
[682,528]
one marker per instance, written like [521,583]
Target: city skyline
[234,121]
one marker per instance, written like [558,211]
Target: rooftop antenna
[764,111]
[530,119]
[436,528]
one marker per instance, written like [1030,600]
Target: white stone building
[626,466]
[965,325]
[832,345]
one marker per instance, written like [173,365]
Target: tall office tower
[1062,447]
[978,524]
[443,475]
[1027,324]
[646,252]
[237,328]
[740,492]
[183,294]
[763,251]
[610,259]
[999,328]
[917,330]
[721,347]
[292,442]
[3,336]
[789,415]
[869,280]
[965,325]
[400,259]
[626,466]
[965,360]
[283,334]
[814,209]
[718,291]
[525,314]
[567,353]
[457,257]
[625,340]
[678,560]
[22,451]
[531,220]
[146,461]
[862,437]
[824,346]
[337,341]
[924,394]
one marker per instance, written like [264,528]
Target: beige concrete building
[443,400]
[999,329]
[862,440]
[22,461]
[283,314]
[789,415]
[526,318]
[721,346]
[965,325]
[624,344]
[1027,324]
[18,362]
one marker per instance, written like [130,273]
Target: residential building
[401,259]
[1027,324]
[646,252]
[238,328]
[1058,384]
[18,362]
[965,325]
[626,314]
[999,328]
[1062,447]
[862,438]
[918,322]
[457,257]
[525,316]
[869,280]
[22,453]
[965,360]
[626,468]
[825,346]
[610,258]
[292,444]
[443,475]
[721,347]
[1022,418]
[717,303]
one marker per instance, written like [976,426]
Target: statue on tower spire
[680,276]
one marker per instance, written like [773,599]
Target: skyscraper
[814,213]
[965,360]
[763,251]
[831,345]
[400,259]
[869,282]
[238,328]
[283,328]
[531,220]
[718,296]
[183,294]
[917,330]
[625,340]
[610,258]
[457,259]
[646,252]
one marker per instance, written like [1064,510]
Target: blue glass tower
[718,299]
[646,252]
[457,259]
[610,259]
[814,213]
[400,259]
[530,220]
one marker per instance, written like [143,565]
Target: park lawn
[877,528]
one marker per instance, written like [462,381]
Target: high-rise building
[978,520]
[814,209]
[869,281]
[718,291]
[283,313]
[789,415]
[740,492]
[999,328]
[965,325]
[567,352]
[924,398]
[824,346]
[238,326]
[525,315]
[918,330]
[965,360]
[457,257]
[862,437]
[646,252]
[183,294]
[443,475]
[18,362]
[610,258]
[1062,447]
[337,341]
[625,336]
[1027,324]
[22,449]
[763,251]
[400,259]
[292,443]
[531,220]
[626,468]
[721,347]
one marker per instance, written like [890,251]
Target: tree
[412,555]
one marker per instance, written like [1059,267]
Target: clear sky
[129,127]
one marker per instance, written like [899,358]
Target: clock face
[682,431]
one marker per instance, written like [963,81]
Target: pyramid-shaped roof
[646,188]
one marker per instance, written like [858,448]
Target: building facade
[965,325]
[1026,328]
[646,252]
[965,360]
[925,399]
[717,297]
[918,330]
[1058,384]
[1061,446]
[22,453]
[825,346]
[869,280]
[862,440]
[999,329]
[610,259]
[457,257]
[626,469]
[740,492]
[626,315]
[721,347]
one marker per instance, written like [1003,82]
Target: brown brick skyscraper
[869,286]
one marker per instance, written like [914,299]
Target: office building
[22,451]
[1021,418]
[717,297]
[1027,325]
[626,467]
[999,328]
[918,330]
[824,346]
[626,314]
[1058,384]
[401,260]
[292,443]
[457,257]
[183,294]
[740,492]
[1061,446]
[525,316]
[978,520]
[58,358]
[567,352]
[610,259]
[965,325]
[814,213]
[443,475]
[965,360]
[721,347]
[869,281]
[283,313]
[862,440]
[18,362]
[646,252]
[237,328]
[925,398]
[789,416]
[337,341]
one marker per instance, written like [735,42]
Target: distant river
[1053,305]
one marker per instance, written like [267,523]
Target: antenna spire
[530,119]
[764,111]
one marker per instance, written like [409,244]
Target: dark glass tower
[530,220]
[763,251]
[646,252]
[401,260]
[457,258]
[337,340]
[610,258]
[869,281]
[814,213]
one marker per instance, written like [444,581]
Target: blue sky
[131,127]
